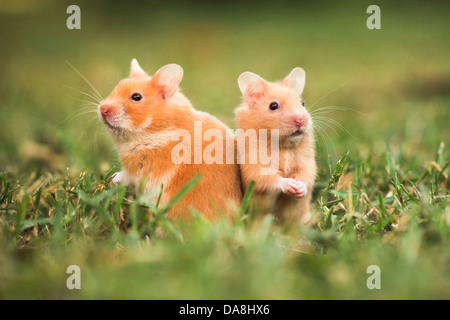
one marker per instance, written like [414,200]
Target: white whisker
[329,109]
[330,92]
[328,125]
[328,143]
[98,95]
[76,114]
[96,99]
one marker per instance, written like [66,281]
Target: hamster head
[136,101]
[275,106]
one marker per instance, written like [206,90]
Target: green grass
[382,192]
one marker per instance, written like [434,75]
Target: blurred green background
[397,77]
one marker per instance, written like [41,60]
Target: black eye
[273,106]
[136,96]
[302,103]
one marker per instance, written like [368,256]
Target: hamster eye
[136,97]
[273,106]
[302,103]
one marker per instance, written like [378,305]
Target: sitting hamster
[144,115]
[277,108]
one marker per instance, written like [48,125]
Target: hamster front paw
[302,189]
[289,186]
[118,177]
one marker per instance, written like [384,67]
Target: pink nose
[107,109]
[298,121]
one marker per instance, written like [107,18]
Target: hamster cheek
[139,120]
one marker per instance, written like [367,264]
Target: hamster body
[145,116]
[286,190]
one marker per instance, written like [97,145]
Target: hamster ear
[167,79]
[296,80]
[136,70]
[252,87]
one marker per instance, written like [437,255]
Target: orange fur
[142,132]
[296,153]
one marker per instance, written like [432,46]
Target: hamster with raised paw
[277,109]
[146,117]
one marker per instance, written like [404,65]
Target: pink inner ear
[251,97]
[166,87]
[254,92]
[168,90]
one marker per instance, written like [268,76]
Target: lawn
[381,103]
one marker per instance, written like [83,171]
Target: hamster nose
[299,121]
[106,109]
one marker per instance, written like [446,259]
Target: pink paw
[294,188]
[302,190]
[289,186]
